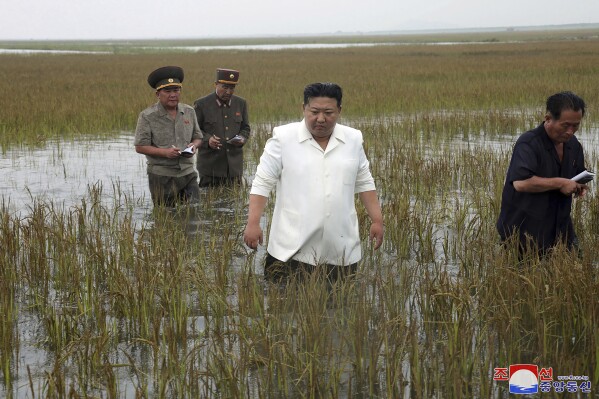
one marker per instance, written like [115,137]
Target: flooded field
[102,296]
[62,172]
[105,298]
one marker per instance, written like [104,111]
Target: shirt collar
[163,110]
[222,103]
[304,133]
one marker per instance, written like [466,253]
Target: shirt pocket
[188,126]
[209,126]
[286,235]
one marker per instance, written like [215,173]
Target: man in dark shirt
[223,117]
[537,195]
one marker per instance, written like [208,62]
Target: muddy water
[62,171]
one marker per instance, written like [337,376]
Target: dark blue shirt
[544,216]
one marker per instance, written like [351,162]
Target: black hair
[563,101]
[331,90]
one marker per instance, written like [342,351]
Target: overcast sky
[133,19]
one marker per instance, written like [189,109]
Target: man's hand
[214,142]
[571,187]
[373,208]
[582,190]
[252,236]
[376,233]
[172,152]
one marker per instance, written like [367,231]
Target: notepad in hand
[584,177]
[188,152]
[237,139]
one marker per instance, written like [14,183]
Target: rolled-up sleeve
[269,168]
[364,179]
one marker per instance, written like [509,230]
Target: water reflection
[301,46]
[275,47]
[23,51]
[241,47]
[63,171]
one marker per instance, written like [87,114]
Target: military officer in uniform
[223,117]
[168,134]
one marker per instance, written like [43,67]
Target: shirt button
[226,116]
[226,127]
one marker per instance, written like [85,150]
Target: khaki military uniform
[156,128]
[170,179]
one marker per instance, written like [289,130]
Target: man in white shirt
[317,166]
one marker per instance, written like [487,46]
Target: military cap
[227,76]
[166,76]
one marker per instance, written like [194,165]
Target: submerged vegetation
[97,302]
